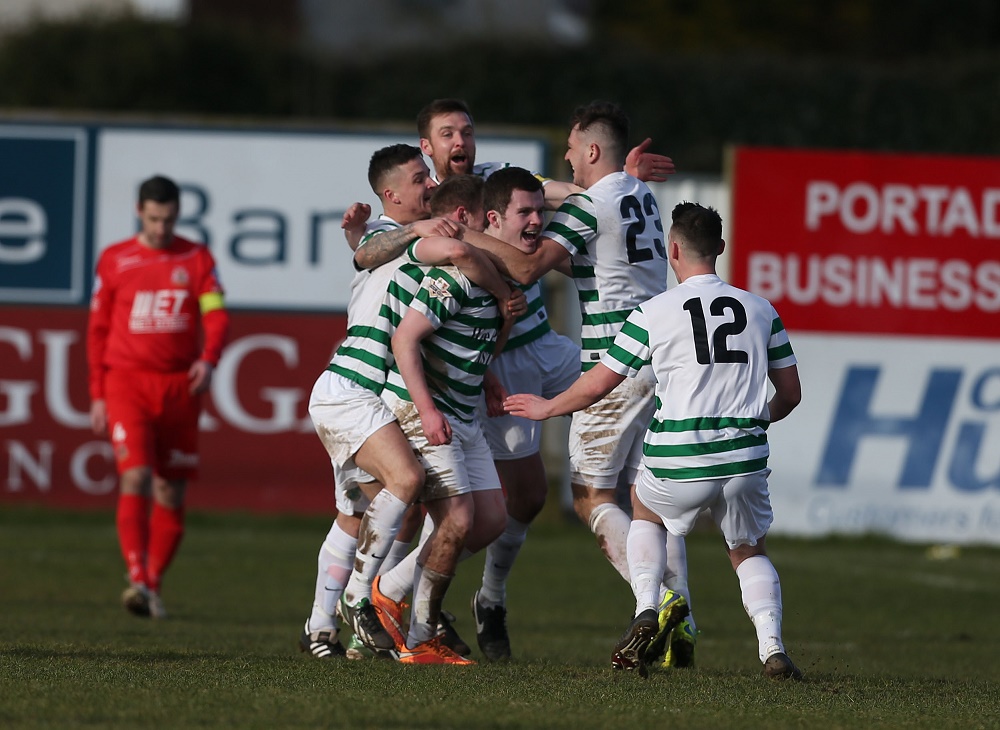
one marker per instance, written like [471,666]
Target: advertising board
[885,269]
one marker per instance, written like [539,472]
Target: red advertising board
[259,451]
[869,243]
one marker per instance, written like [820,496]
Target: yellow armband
[211,301]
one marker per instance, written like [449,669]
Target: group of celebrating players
[429,409]
[433,398]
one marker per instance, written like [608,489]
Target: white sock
[334,565]
[647,554]
[500,557]
[610,524]
[397,552]
[675,577]
[762,601]
[397,583]
[379,528]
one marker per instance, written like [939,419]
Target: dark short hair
[386,160]
[457,190]
[437,108]
[606,118]
[159,189]
[699,227]
[500,187]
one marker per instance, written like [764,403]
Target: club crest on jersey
[438,289]
[179,276]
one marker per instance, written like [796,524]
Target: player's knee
[456,527]
[408,482]
[138,480]
[583,508]
[584,502]
[169,492]
[741,552]
[533,504]
[486,528]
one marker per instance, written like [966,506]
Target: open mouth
[459,159]
[530,237]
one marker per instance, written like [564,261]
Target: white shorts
[350,499]
[345,414]
[546,367]
[463,466]
[605,440]
[740,505]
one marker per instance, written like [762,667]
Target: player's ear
[722,247]
[425,146]
[493,219]
[673,250]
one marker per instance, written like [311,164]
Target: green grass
[887,637]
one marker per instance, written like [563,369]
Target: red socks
[148,541]
[132,520]
[166,529]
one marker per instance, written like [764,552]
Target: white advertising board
[268,204]
[895,435]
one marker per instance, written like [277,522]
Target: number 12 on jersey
[699,328]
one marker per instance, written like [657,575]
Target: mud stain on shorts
[408,417]
[436,484]
[334,442]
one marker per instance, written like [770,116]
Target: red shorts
[153,421]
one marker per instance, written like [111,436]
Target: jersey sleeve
[411,253]
[98,327]
[574,225]
[779,349]
[630,350]
[214,317]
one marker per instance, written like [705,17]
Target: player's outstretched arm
[412,329]
[787,392]
[586,391]
[523,268]
[648,166]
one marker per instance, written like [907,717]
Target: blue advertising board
[43,213]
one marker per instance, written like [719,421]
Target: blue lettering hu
[854,421]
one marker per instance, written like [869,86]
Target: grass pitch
[889,635]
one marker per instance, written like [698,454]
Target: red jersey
[154,309]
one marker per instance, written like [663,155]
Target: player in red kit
[156,330]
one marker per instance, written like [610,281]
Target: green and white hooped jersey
[615,239]
[532,324]
[364,354]
[455,357]
[710,345]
